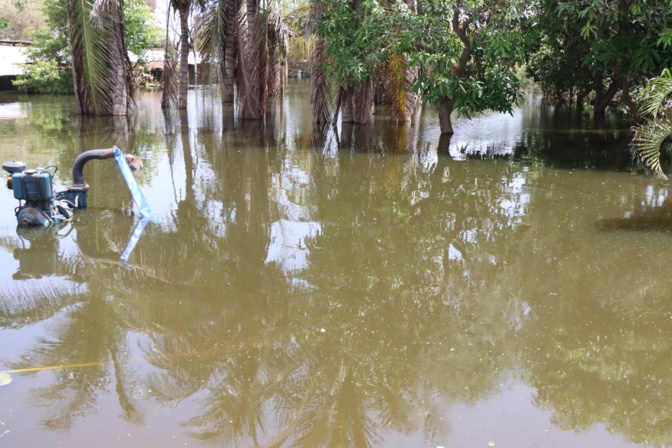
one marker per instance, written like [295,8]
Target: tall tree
[353,38]
[216,41]
[245,44]
[183,8]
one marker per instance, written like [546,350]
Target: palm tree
[355,99]
[100,65]
[246,46]
[656,103]
[183,8]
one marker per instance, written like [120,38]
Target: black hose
[80,161]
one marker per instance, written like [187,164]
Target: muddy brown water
[372,286]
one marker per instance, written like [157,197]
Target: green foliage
[591,45]
[478,77]
[656,104]
[49,55]
[140,35]
[19,17]
[49,70]
[45,77]
[356,40]
[475,68]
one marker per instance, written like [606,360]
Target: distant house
[155,59]
[12,58]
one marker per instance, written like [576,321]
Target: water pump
[39,205]
[35,191]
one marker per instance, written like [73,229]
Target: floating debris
[5,378]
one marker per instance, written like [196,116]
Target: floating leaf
[5,378]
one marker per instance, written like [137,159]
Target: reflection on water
[357,287]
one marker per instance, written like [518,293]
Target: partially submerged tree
[246,45]
[100,64]
[601,48]
[353,44]
[92,38]
[183,8]
[467,53]
[458,55]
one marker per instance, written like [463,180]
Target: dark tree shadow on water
[645,218]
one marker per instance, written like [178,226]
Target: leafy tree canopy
[50,53]
[601,47]
[464,53]
[468,51]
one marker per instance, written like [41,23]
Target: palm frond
[647,142]
[169,97]
[398,79]
[211,37]
[655,96]
[96,40]
[321,96]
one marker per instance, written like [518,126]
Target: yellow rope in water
[65,366]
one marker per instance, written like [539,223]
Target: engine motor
[35,191]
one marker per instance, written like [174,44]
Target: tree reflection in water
[321,298]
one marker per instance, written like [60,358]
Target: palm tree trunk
[118,65]
[362,102]
[275,85]
[98,55]
[184,59]
[346,105]
[230,53]
[253,58]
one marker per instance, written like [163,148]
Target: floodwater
[365,287]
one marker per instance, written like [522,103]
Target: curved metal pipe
[80,161]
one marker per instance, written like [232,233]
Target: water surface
[373,286]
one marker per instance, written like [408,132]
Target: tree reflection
[313,298]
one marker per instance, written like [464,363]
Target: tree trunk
[581,98]
[445,109]
[362,100]
[346,106]
[603,97]
[120,93]
[626,98]
[275,85]
[230,53]
[96,94]
[251,92]
[320,87]
[184,59]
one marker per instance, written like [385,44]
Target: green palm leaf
[655,104]
[210,36]
[654,98]
[98,56]
[646,144]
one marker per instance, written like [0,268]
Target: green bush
[45,77]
